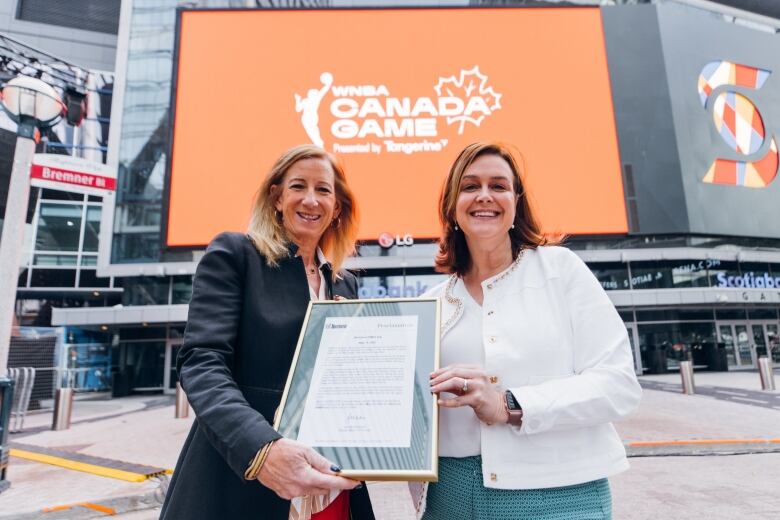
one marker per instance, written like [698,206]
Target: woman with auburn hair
[249,298]
[535,360]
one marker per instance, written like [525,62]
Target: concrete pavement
[677,443]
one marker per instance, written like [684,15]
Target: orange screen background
[235,114]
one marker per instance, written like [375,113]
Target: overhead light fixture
[75,100]
[31,102]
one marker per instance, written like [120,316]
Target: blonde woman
[249,298]
[536,362]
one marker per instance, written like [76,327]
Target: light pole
[32,104]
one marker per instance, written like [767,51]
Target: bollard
[63,406]
[182,405]
[766,373]
[6,398]
[686,373]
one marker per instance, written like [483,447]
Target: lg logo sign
[739,123]
[386,240]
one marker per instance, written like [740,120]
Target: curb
[100,466]
[99,508]
[701,447]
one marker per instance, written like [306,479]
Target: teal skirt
[460,495]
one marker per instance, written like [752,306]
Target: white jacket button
[493,477]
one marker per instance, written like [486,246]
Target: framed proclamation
[358,389]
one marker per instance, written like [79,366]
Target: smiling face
[307,200]
[487,201]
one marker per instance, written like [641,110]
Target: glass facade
[87,360]
[142,150]
[675,274]
[64,243]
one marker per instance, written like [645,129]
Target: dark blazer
[242,330]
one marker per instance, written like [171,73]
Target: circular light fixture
[25,97]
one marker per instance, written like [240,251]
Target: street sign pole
[32,104]
[12,239]
[11,249]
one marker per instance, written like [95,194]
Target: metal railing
[24,379]
[83,379]
[57,383]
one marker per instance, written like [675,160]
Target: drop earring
[456,226]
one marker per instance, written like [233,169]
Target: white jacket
[552,336]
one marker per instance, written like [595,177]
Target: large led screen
[396,94]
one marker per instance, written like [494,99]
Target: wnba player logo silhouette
[309,108]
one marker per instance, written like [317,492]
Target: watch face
[510,401]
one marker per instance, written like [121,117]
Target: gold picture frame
[415,457]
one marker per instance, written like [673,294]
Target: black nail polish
[335,468]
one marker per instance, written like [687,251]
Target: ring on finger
[465,388]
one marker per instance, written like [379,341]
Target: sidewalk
[698,482]
[135,429]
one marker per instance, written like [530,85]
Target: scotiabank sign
[396,94]
[749,280]
[73,174]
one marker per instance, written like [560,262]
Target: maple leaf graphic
[469,83]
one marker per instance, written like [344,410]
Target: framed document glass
[358,390]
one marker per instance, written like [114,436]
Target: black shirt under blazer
[242,330]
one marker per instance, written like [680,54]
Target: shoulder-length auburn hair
[266,229]
[454,255]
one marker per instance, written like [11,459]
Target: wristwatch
[514,409]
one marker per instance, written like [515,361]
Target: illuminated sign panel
[396,94]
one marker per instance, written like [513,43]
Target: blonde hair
[266,229]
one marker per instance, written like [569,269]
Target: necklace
[508,271]
[458,303]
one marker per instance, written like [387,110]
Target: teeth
[308,217]
[485,213]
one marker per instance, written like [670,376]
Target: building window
[181,292]
[669,274]
[145,290]
[612,276]
[88,15]
[681,314]
[88,278]
[92,229]
[53,278]
[59,227]
[398,286]
[50,260]
[88,260]
[725,274]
